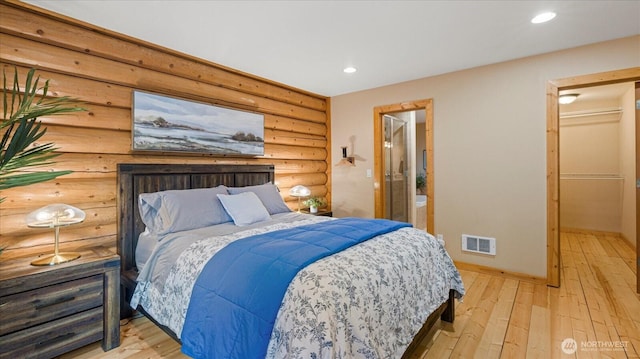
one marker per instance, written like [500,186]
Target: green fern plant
[314,202]
[20,129]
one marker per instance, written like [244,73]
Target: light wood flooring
[501,316]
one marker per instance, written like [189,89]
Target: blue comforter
[237,296]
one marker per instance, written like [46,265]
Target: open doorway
[553,159]
[597,160]
[387,164]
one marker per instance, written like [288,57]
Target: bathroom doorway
[398,163]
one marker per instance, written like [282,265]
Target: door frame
[553,158]
[378,155]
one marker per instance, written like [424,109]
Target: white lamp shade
[299,191]
[55,215]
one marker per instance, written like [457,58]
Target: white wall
[489,148]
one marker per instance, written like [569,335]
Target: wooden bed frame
[134,179]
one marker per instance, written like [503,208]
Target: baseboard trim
[633,245]
[589,231]
[500,272]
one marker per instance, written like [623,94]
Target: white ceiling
[306,44]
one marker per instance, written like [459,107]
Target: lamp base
[54,259]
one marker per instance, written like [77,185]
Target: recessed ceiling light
[544,17]
[349,70]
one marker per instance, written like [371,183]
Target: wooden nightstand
[47,311]
[319,213]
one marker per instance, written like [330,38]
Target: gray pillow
[268,194]
[180,210]
[245,208]
[149,205]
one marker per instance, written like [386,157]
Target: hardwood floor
[503,317]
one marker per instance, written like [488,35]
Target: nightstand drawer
[50,310]
[30,308]
[54,338]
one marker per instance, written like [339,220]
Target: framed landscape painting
[168,124]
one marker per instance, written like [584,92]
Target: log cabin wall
[102,68]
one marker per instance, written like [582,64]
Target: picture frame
[169,124]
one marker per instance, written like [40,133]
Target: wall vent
[477,244]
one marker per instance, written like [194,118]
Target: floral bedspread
[368,301]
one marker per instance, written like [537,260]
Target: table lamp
[299,191]
[56,216]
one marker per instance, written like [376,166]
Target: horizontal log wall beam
[88,163]
[106,242]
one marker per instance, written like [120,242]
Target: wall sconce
[346,161]
[567,98]
[56,216]
[299,191]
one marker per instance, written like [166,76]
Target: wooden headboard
[134,179]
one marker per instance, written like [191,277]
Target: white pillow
[244,208]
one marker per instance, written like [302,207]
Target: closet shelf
[607,111]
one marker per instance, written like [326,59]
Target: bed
[163,301]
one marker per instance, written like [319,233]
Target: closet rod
[590,176]
[592,113]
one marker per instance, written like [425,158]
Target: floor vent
[476,244]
